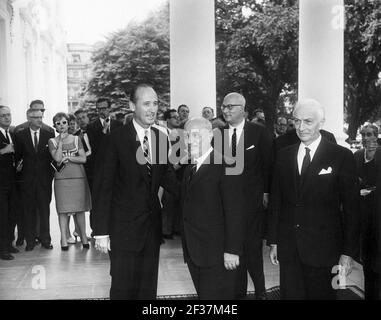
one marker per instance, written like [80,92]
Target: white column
[192,52]
[321,58]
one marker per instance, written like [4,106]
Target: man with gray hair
[213,216]
[314,210]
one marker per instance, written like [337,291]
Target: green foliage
[362,62]
[257,51]
[139,53]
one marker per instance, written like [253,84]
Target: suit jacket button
[297,226]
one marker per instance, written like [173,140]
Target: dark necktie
[147,153]
[84,141]
[7,137]
[306,163]
[192,172]
[234,143]
[35,142]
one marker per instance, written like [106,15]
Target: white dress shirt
[103,122]
[32,135]
[5,135]
[238,131]
[200,160]
[141,133]
[302,151]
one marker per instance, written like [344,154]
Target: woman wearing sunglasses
[70,184]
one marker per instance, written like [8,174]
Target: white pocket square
[325,171]
[251,147]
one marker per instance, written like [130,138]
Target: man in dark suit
[36,178]
[314,211]
[98,133]
[7,185]
[214,217]
[127,216]
[256,142]
[39,106]
[290,138]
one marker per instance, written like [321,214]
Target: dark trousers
[37,200]
[18,216]
[169,213]
[6,211]
[134,274]
[252,260]
[215,282]
[372,283]
[302,282]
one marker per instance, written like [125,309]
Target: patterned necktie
[306,163]
[234,143]
[35,142]
[146,152]
[7,137]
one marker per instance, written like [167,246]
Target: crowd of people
[156,175]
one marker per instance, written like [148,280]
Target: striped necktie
[146,152]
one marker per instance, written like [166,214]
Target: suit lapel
[28,139]
[294,166]
[201,171]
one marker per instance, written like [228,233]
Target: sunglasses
[61,123]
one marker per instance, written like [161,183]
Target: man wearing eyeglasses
[36,175]
[98,133]
[253,143]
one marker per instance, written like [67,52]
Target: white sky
[89,21]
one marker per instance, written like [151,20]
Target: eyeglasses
[64,122]
[230,106]
[5,115]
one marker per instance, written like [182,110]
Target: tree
[139,53]
[362,63]
[257,51]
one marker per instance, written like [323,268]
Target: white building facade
[32,57]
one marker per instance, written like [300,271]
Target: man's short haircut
[134,91]
[257,110]
[103,99]
[201,122]
[281,117]
[182,105]
[312,103]
[211,109]
[2,107]
[35,102]
[168,114]
[371,126]
[71,117]
[79,111]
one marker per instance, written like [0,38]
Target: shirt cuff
[101,237]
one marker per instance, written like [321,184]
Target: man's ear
[132,105]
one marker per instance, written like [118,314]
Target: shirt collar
[199,161]
[313,146]
[239,127]
[103,120]
[139,129]
[33,131]
[2,130]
